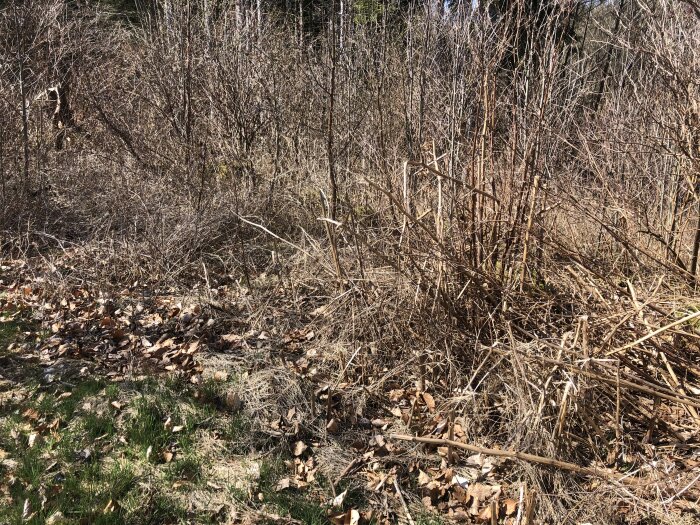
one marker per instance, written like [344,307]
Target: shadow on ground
[78,448]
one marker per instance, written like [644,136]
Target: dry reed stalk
[406,201]
[528,228]
[521,504]
[451,455]
[328,209]
[674,383]
[530,503]
[656,332]
[439,226]
[640,386]
[618,421]
[584,338]
[563,407]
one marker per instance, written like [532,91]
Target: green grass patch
[131,452]
[13,329]
[9,333]
[65,407]
[98,426]
[92,465]
[296,504]
[188,468]
[164,419]
[16,326]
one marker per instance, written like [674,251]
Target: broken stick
[514,454]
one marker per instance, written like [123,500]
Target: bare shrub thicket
[494,198]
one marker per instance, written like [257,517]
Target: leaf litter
[136,333]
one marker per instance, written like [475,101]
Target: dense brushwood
[486,215]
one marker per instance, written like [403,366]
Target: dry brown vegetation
[478,224]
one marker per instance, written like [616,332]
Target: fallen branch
[522,456]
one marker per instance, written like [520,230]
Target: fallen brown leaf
[511,506]
[233,401]
[283,484]
[429,401]
[299,448]
[423,478]
[332,426]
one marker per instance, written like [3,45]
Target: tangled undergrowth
[606,410]
[414,263]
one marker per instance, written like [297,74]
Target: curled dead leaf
[57,518]
[30,413]
[423,478]
[429,401]
[338,500]
[480,493]
[511,506]
[108,508]
[299,448]
[233,401]
[351,517]
[332,426]
[283,484]
[27,513]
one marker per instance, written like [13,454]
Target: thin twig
[403,503]
[661,330]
